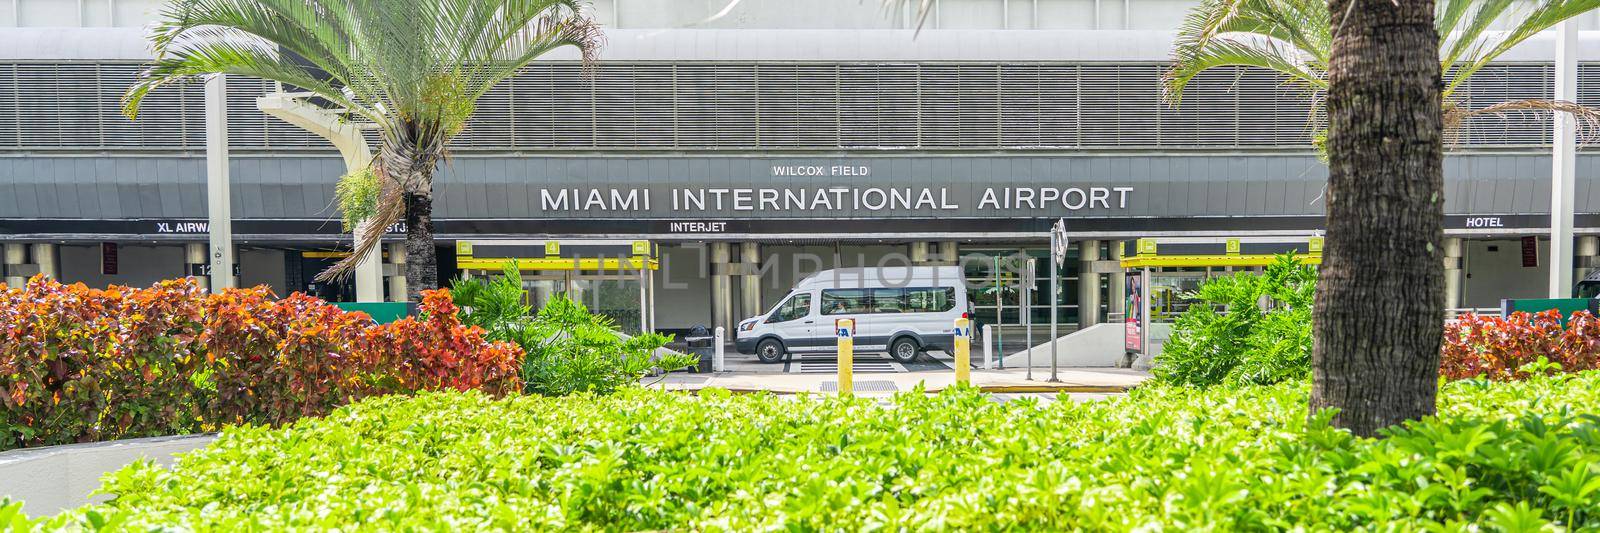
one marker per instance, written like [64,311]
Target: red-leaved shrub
[437,352]
[1500,348]
[274,361]
[80,364]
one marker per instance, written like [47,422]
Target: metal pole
[651,276]
[1055,301]
[219,207]
[988,346]
[718,363]
[1144,310]
[999,311]
[644,297]
[1564,160]
[1027,310]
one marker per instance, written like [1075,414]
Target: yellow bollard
[845,329]
[963,354]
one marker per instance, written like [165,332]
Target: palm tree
[1294,39]
[1388,77]
[414,69]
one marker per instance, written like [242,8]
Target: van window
[930,299]
[846,301]
[888,301]
[1588,289]
[797,306]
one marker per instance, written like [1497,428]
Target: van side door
[936,310]
[853,304]
[794,322]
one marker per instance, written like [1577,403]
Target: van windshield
[1588,289]
[797,306]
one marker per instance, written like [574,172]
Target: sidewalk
[1011,380]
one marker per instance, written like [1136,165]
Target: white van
[900,310]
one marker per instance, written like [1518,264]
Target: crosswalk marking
[829,364]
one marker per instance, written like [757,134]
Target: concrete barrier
[1159,333]
[51,479]
[1100,345]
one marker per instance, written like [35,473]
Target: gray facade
[291,197]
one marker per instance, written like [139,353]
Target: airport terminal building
[748,150]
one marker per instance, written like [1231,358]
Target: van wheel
[904,350]
[769,351]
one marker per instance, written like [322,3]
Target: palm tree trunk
[1379,311]
[412,171]
[422,262]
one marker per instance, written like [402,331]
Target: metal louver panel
[798,105]
[1504,83]
[878,106]
[10,106]
[775,106]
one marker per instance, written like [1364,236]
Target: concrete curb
[52,479]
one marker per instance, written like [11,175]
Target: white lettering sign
[697,227]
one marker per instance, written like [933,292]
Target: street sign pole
[1058,256]
[1027,309]
[999,311]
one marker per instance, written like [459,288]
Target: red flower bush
[275,361]
[80,364]
[1502,348]
[437,352]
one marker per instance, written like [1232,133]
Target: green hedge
[1229,336]
[1503,456]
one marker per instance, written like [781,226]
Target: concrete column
[369,270]
[750,279]
[194,256]
[397,278]
[919,253]
[948,252]
[1563,176]
[44,255]
[721,295]
[16,257]
[219,210]
[1116,283]
[1452,272]
[1088,284]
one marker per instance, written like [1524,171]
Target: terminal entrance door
[610,278]
[612,294]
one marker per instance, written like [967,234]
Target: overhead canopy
[1181,252]
[495,255]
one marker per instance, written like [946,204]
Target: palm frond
[1475,47]
[1587,119]
[920,8]
[1242,51]
[1288,36]
[390,210]
[196,60]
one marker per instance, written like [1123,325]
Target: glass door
[612,294]
[1170,291]
[615,295]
